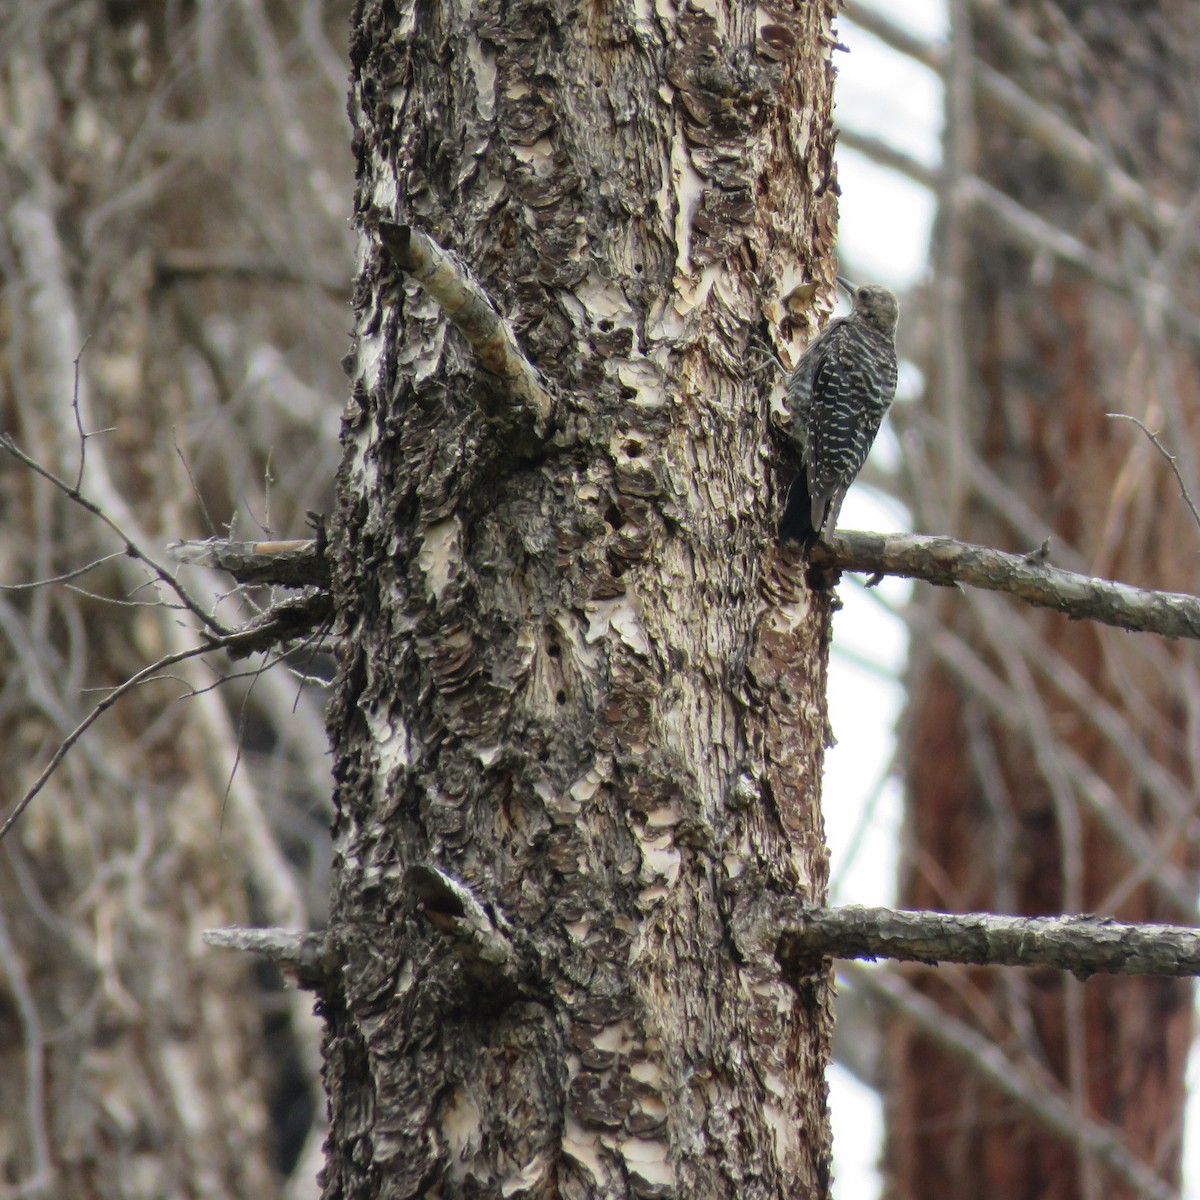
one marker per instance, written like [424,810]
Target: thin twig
[1183,491]
[964,663]
[286,621]
[83,434]
[64,578]
[132,550]
[64,747]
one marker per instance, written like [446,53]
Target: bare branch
[1084,945]
[945,561]
[308,956]
[468,307]
[884,153]
[130,546]
[1091,165]
[950,254]
[297,563]
[1020,225]
[179,266]
[66,577]
[964,663]
[83,435]
[1183,491]
[136,680]
[283,623]
[1033,232]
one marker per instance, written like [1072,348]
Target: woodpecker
[837,395]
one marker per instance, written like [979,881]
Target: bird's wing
[800,382]
[835,431]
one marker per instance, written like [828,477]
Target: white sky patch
[885,222]
[884,230]
[1191,1138]
[888,95]
[858,1115]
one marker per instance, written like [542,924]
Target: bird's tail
[796,522]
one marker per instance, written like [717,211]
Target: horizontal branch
[298,563]
[467,305]
[944,561]
[289,621]
[1084,945]
[309,957]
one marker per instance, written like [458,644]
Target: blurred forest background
[175,184]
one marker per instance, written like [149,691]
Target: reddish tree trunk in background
[1051,766]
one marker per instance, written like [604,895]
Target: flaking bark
[581,697]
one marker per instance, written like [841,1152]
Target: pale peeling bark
[582,696]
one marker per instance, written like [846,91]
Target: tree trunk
[580,704]
[1050,765]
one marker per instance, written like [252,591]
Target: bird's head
[877,306]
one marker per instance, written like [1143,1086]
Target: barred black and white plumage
[837,395]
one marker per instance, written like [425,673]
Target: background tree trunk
[1052,766]
[159,167]
[578,681]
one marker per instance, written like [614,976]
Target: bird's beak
[850,288]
